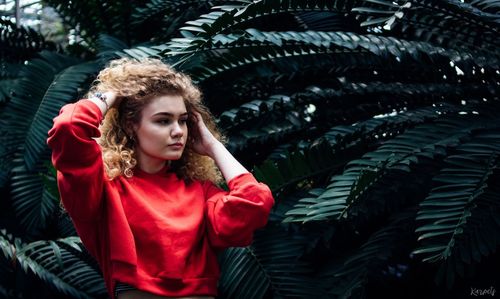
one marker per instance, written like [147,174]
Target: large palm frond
[29,90]
[377,169]
[60,263]
[47,83]
[349,274]
[63,89]
[197,34]
[459,217]
[342,144]
[166,16]
[451,24]
[257,270]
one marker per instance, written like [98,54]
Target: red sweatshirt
[152,231]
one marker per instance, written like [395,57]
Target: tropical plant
[374,122]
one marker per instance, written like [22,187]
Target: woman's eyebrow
[170,114]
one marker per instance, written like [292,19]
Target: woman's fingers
[198,117]
[199,122]
[203,138]
[198,126]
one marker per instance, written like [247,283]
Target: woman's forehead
[167,104]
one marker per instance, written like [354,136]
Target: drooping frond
[254,46]
[458,220]
[253,271]
[34,204]
[197,33]
[166,17]
[348,277]
[60,264]
[489,6]
[450,24]
[37,77]
[340,145]
[399,156]
[63,89]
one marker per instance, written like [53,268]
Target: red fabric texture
[153,231]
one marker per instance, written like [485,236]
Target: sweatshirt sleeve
[78,159]
[234,215]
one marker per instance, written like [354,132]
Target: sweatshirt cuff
[91,107]
[241,180]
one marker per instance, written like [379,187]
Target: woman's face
[162,131]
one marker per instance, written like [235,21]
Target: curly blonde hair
[135,83]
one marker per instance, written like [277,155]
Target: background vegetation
[374,122]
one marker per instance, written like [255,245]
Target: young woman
[138,164]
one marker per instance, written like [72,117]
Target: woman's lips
[176,145]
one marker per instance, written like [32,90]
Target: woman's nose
[177,130]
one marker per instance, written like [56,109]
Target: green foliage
[374,122]
[167,16]
[63,87]
[271,264]
[60,263]
[20,43]
[400,155]
[459,217]
[90,18]
[412,20]
[346,280]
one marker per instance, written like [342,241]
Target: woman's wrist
[227,164]
[110,98]
[213,148]
[103,100]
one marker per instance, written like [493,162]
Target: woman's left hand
[203,140]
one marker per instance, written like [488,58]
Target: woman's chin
[173,157]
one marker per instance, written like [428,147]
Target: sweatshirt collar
[164,171]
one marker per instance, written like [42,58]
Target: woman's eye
[163,121]
[183,120]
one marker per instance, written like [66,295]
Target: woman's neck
[152,166]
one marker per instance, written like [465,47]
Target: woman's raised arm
[232,216]
[207,144]
[78,158]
